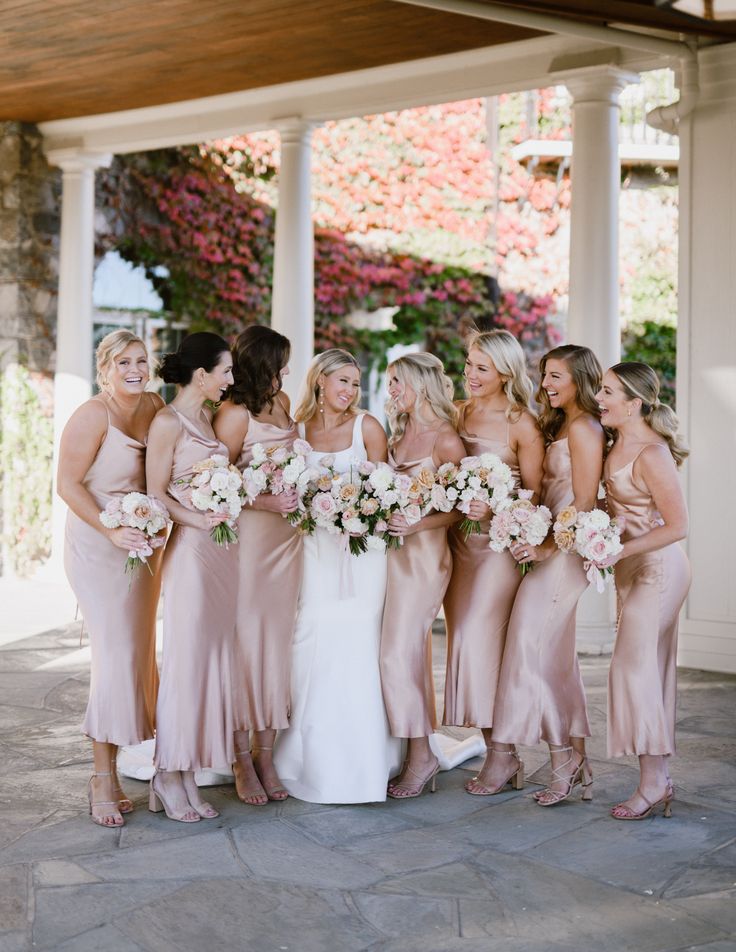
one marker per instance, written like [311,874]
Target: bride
[337,748]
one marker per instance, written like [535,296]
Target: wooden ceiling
[65,58]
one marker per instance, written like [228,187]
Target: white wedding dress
[337,748]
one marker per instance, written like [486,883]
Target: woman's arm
[231,427]
[374,437]
[586,442]
[159,461]
[656,469]
[80,442]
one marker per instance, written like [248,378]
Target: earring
[322,400]
[628,411]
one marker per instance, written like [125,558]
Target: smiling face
[401,393]
[215,384]
[616,407]
[559,385]
[128,373]
[481,377]
[341,388]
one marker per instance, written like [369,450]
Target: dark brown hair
[259,355]
[196,350]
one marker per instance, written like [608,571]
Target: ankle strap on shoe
[498,750]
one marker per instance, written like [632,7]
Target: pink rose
[324,505]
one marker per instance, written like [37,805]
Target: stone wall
[30,194]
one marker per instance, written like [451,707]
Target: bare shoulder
[526,428]
[156,400]
[586,430]
[283,399]
[91,418]
[371,426]
[448,441]
[229,412]
[654,458]
[165,423]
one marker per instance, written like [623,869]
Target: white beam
[487,71]
[73,367]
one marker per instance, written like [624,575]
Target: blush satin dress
[478,605]
[418,575]
[270,575]
[119,611]
[652,587]
[199,702]
[540,695]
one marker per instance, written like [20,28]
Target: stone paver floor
[441,873]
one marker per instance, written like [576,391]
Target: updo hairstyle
[202,349]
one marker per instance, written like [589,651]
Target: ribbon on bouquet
[346,586]
[597,575]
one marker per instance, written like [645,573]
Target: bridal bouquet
[519,520]
[336,504]
[274,470]
[385,491]
[217,486]
[137,511]
[594,536]
[485,478]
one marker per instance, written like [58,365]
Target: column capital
[597,83]
[74,159]
[295,129]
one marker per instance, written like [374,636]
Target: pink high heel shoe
[622,812]
[579,777]
[515,778]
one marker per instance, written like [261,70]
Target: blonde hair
[508,359]
[426,375]
[110,347]
[327,363]
[640,381]
[587,375]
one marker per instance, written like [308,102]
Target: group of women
[309,670]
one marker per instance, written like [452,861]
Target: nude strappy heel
[273,793]
[114,814]
[157,803]
[515,778]
[580,776]
[414,789]
[665,801]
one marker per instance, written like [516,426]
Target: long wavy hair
[111,346]
[587,375]
[640,380]
[507,356]
[327,363]
[259,355]
[426,375]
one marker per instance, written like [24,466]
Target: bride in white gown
[337,748]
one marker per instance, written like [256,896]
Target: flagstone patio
[441,873]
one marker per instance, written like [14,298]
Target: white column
[73,369]
[292,311]
[593,315]
[706,360]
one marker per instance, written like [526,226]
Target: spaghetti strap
[357,430]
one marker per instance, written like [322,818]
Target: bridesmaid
[495,419]
[652,579]
[540,694]
[270,564]
[423,437]
[102,455]
[196,714]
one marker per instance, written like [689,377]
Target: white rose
[259,454]
[202,499]
[381,478]
[219,483]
